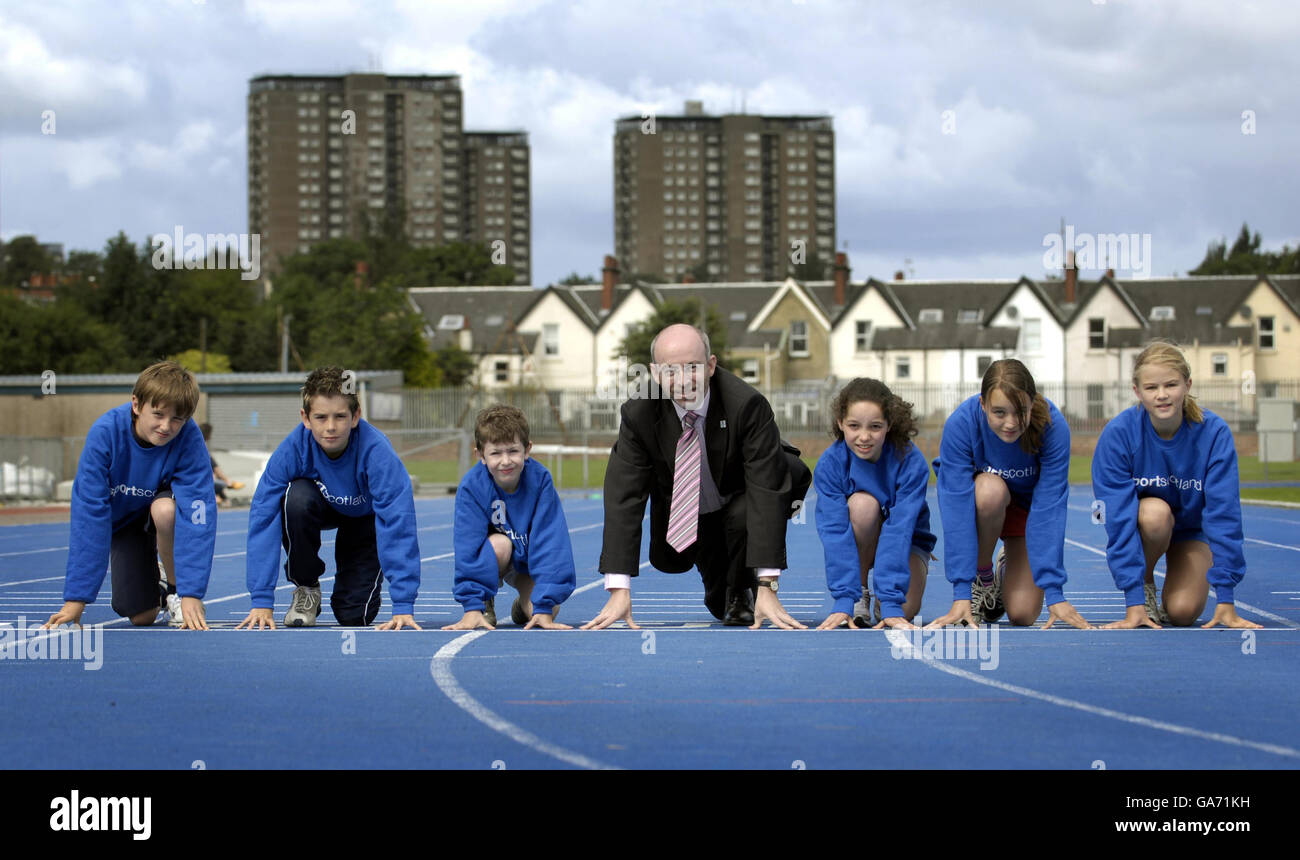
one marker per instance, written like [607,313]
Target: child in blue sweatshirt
[1005,459]
[335,471]
[510,528]
[871,509]
[1165,472]
[144,494]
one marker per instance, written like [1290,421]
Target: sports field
[683,692]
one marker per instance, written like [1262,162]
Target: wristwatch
[768,583]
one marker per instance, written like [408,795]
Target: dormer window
[1162,312]
[930,315]
[451,322]
[969,315]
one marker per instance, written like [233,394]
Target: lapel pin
[722,425]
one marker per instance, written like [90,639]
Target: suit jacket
[745,456]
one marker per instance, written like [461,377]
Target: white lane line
[1255,610]
[898,640]
[32,551]
[440,668]
[27,581]
[1278,545]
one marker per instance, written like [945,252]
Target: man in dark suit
[719,499]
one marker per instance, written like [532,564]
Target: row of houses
[1075,336]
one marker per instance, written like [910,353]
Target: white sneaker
[986,600]
[864,613]
[304,608]
[175,617]
[1155,611]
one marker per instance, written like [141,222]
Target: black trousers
[721,542]
[133,560]
[358,586]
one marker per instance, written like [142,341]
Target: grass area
[1272,494]
[1248,469]
[567,475]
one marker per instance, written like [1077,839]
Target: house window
[1162,312]
[1220,364]
[749,370]
[1096,333]
[503,371]
[903,367]
[798,338]
[551,339]
[969,315]
[861,335]
[1032,335]
[931,315]
[982,363]
[1266,333]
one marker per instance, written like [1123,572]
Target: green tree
[61,337]
[636,345]
[1246,258]
[813,268]
[454,364]
[194,361]
[23,257]
[573,279]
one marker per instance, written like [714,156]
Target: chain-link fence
[437,424]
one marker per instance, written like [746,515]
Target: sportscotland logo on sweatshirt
[1171,480]
[1025,472]
[343,501]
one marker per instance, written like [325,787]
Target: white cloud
[33,79]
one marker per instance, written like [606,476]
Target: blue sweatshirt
[532,518]
[1195,473]
[900,488]
[116,478]
[1039,483]
[367,478]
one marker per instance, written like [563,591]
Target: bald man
[704,448]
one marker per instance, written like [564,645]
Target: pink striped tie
[684,511]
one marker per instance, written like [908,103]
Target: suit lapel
[715,435]
[668,430]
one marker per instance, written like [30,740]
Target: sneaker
[490,611]
[304,608]
[1155,611]
[863,610]
[175,617]
[520,617]
[986,600]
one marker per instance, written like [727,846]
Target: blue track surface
[683,692]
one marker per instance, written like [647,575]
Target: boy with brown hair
[143,504]
[335,471]
[509,527]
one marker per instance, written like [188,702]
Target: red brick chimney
[609,277]
[1071,277]
[898,276]
[841,277]
[688,278]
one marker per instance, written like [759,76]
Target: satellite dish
[1012,312]
[1245,311]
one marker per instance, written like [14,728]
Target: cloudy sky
[1116,115]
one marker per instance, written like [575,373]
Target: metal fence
[30,468]
[569,414]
